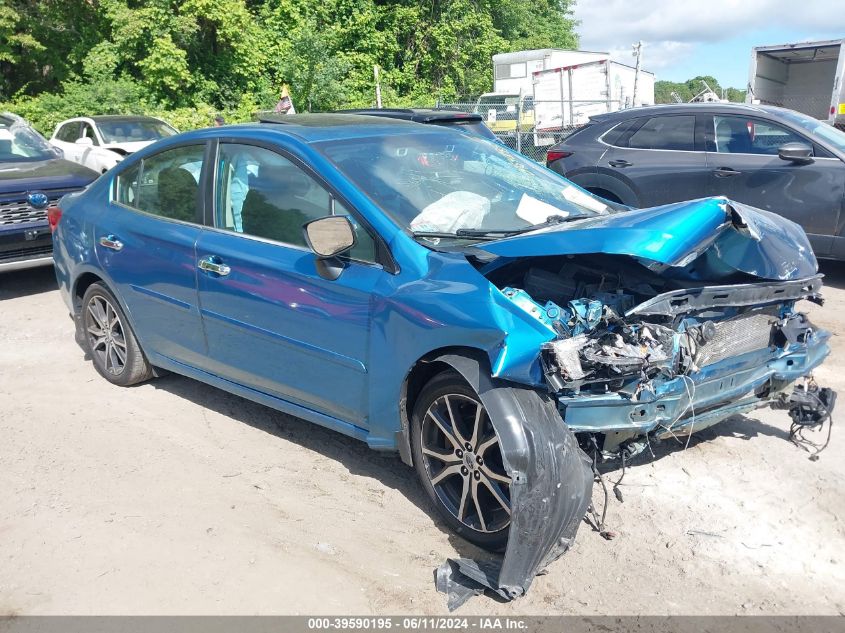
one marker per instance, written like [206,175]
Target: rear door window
[166,184]
[670,132]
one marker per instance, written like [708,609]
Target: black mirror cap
[329,236]
[796,152]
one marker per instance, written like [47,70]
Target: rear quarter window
[617,133]
[669,132]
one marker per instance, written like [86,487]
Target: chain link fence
[532,127]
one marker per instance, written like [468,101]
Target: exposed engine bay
[624,330]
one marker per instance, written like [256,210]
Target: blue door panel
[155,274]
[273,324]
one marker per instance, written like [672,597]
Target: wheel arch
[85,280]
[419,374]
[610,183]
[81,285]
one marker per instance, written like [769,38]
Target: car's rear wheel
[109,339]
[459,461]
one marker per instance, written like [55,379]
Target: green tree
[89,56]
[688,89]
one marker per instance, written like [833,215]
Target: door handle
[110,241]
[725,172]
[620,162]
[209,265]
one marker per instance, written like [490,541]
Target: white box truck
[514,72]
[806,76]
[568,96]
[549,90]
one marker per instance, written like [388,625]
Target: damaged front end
[683,361]
[658,323]
[688,321]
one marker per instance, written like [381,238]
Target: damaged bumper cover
[690,403]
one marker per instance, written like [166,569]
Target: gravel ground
[173,497]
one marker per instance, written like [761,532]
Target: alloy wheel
[105,334]
[463,461]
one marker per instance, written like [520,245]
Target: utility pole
[638,53]
[378,86]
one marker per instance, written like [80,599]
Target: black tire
[109,339]
[475,474]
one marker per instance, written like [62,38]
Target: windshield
[451,184]
[129,131]
[19,142]
[824,130]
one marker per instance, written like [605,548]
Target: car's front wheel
[109,339]
[458,458]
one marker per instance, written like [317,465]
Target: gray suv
[768,157]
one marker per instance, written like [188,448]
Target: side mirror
[796,153]
[330,236]
[84,141]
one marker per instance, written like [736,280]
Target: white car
[101,142]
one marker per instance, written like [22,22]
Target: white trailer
[806,76]
[513,73]
[569,95]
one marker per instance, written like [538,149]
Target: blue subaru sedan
[436,294]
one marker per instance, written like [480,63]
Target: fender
[550,490]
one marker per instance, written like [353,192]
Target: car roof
[113,118]
[687,108]
[420,115]
[333,126]
[121,118]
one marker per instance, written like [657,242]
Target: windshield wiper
[550,221]
[481,235]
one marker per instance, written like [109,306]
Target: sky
[686,38]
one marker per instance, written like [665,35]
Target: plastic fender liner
[550,492]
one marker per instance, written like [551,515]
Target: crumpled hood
[727,236]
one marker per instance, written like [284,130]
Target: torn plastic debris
[550,491]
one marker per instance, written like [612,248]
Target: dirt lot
[176,498]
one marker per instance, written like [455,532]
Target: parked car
[768,157]
[464,121]
[435,294]
[101,142]
[33,176]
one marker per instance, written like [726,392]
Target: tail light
[54,214]
[556,154]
